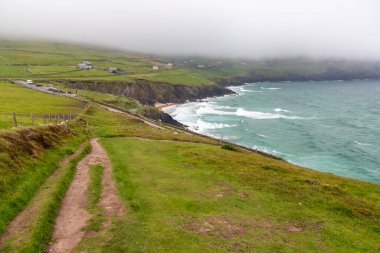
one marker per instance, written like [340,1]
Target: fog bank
[239,28]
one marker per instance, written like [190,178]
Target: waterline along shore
[319,125]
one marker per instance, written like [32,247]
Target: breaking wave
[280,110]
[262,115]
[211,109]
[362,144]
[202,126]
[271,88]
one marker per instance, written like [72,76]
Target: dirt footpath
[21,225]
[73,214]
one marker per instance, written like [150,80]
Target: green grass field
[41,60]
[177,76]
[27,158]
[23,101]
[186,197]
[181,192]
[185,193]
[49,61]
[107,124]
[121,102]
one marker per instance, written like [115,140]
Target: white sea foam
[240,90]
[204,110]
[267,150]
[280,110]
[362,144]
[262,115]
[190,112]
[262,135]
[271,88]
[202,126]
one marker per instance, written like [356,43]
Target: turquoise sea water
[331,126]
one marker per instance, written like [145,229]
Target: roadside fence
[8,120]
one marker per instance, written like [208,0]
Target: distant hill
[134,74]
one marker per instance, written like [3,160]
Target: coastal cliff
[150,92]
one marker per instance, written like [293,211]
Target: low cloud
[239,28]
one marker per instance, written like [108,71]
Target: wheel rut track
[73,214]
[24,220]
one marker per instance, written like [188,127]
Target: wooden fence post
[32,117]
[49,118]
[14,118]
[44,118]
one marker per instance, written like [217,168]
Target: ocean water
[331,126]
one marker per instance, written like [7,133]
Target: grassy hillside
[49,61]
[23,101]
[27,157]
[186,193]
[55,61]
[181,192]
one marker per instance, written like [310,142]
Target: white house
[169,65]
[112,70]
[115,70]
[85,65]
[155,67]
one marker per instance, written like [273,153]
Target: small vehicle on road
[29,81]
[53,89]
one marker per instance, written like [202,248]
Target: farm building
[169,65]
[155,67]
[115,70]
[85,65]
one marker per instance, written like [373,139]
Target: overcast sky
[232,28]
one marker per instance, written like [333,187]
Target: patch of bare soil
[290,227]
[110,201]
[21,224]
[295,227]
[221,189]
[73,214]
[221,226]
[244,195]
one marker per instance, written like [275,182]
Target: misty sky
[232,28]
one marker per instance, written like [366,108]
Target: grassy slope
[29,155]
[93,96]
[103,123]
[177,76]
[27,158]
[47,61]
[185,193]
[192,197]
[14,98]
[205,199]
[36,232]
[183,196]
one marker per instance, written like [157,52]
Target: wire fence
[9,120]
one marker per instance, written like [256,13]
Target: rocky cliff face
[153,113]
[149,92]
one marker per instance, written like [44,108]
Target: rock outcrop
[149,92]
